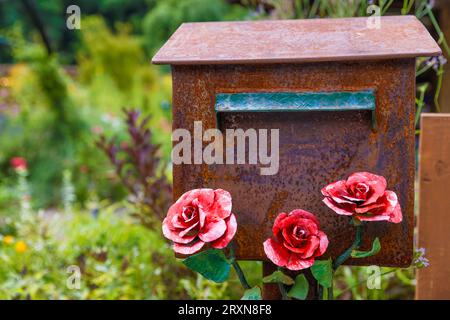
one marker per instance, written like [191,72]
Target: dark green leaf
[252,294]
[280,277]
[212,264]
[376,247]
[300,289]
[323,272]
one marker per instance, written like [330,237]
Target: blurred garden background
[85,125]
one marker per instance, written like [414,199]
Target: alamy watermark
[73,21]
[374,277]
[73,281]
[374,20]
[236,143]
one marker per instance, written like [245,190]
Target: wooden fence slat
[433,282]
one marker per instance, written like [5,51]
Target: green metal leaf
[252,294]
[322,271]
[212,264]
[278,277]
[300,289]
[376,247]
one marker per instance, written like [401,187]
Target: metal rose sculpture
[201,226]
[297,240]
[363,196]
[198,217]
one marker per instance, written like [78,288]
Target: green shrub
[118,259]
[119,55]
[49,130]
[165,18]
[58,117]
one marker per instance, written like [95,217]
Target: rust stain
[277,203]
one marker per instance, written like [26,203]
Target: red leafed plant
[139,166]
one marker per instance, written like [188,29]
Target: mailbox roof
[281,41]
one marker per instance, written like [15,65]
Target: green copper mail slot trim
[296,102]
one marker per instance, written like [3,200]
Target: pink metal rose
[198,217]
[364,196]
[297,240]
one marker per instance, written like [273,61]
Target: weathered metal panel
[289,41]
[315,147]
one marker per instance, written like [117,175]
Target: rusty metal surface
[315,148]
[282,41]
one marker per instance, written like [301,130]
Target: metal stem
[343,257]
[240,274]
[237,267]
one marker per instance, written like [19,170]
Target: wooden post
[433,282]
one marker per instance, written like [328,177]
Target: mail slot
[341,95]
[297,102]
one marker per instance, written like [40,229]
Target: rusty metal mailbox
[341,93]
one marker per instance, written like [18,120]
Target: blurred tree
[51,142]
[33,13]
[155,19]
[49,129]
[53,13]
[165,18]
[118,55]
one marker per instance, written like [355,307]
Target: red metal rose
[297,240]
[364,196]
[19,163]
[200,216]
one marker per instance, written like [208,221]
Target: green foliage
[204,289]
[9,201]
[58,117]
[117,56]
[165,18]
[49,130]
[322,271]
[114,73]
[278,277]
[52,13]
[252,294]
[118,259]
[376,247]
[212,264]
[351,283]
[300,289]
